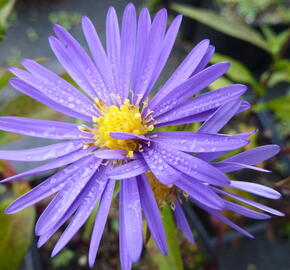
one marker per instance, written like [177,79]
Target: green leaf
[173,261]
[6,7]
[280,106]
[16,232]
[220,23]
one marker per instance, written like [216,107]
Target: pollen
[124,118]
[162,193]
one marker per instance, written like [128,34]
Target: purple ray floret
[117,151]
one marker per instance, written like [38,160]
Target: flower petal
[128,44]
[199,142]
[129,169]
[92,193]
[100,221]
[256,189]
[34,93]
[58,162]
[204,102]
[181,222]
[99,55]
[152,214]
[252,203]
[189,88]
[65,197]
[111,154]
[200,192]
[127,136]
[205,60]
[40,128]
[42,153]
[56,88]
[46,188]
[245,211]
[222,218]
[129,195]
[159,167]
[77,63]
[150,55]
[166,49]
[193,166]
[227,167]
[113,42]
[181,73]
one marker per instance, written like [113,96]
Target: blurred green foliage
[16,230]
[6,7]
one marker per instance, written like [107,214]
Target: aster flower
[119,137]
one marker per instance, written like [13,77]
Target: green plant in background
[6,7]
[275,44]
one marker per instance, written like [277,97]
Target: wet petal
[91,195]
[205,59]
[182,223]
[181,73]
[129,169]
[255,204]
[65,197]
[59,162]
[34,93]
[40,128]
[256,189]
[42,153]
[227,167]
[152,213]
[100,221]
[129,195]
[198,142]
[50,186]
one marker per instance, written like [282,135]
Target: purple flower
[119,139]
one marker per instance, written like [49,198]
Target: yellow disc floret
[125,118]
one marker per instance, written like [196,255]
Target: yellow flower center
[125,118]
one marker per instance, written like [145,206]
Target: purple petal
[205,59]
[129,169]
[143,29]
[127,136]
[166,49]
[42,153]
[227,167]
[190,87]
[65,197]
[128,43]
[245,211]
[93,191]
[126,262]
[150,55]
[252,203]
[200,192]
[111,154]
[222,218]
[100,221]
[57,88]
[47,188]
[98,53]
[59,162]
[192,166]
[256,189]
[256,155]
[204,102]
[181,73]
[199,142]
[163,172]
[40,128]
[181,222]
[152,214]
[131,208]
[32,92]
[77,63]
[221,117]
[113,42]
